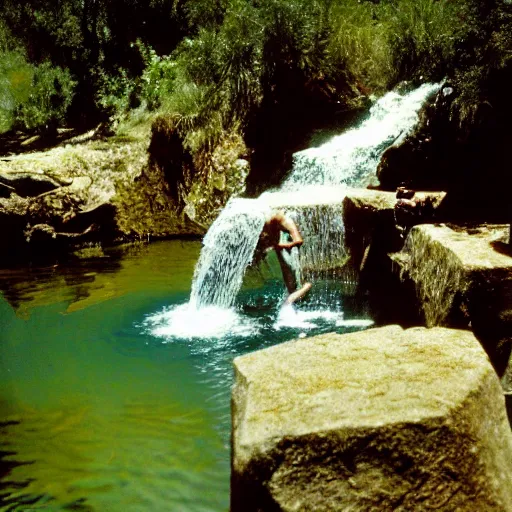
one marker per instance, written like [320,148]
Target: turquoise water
[102,408]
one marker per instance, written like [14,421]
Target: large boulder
[371,232]
[65,196]
[386,419]
[368,216]
[463,276]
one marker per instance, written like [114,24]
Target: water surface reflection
[98,413]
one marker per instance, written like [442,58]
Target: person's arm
[287,224]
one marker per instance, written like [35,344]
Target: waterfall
[352,157]
[228,248]
[349,159]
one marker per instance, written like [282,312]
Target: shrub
[16,76]
[359,41]
[157,78]
[259,50]
[31,96]
[115,92]
[422,36]
[50,96]
[483,77]
[120,92]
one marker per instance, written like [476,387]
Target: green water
[98,414]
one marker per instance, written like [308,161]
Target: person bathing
[271,239]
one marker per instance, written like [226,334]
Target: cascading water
[352,157]
[347,160]
[228,249]
[313,194]
[317,210]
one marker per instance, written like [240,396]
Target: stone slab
[385,419]
[370,223]
[464,272]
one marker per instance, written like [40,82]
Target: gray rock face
[381,420]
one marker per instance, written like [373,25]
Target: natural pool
[105,405]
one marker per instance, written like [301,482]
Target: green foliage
[246,54]
[422,37]
[216,79]
[259,50]
[214,64]
[50,96]
[120,92]
[358,40]
[31,96]
[202,13]
[16,76]
[483,79]
[115,92]
[156,81]
[394,40]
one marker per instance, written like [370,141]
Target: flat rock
[381,420]
[56,196]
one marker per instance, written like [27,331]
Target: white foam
[356,322]
[186,322]
[289,317]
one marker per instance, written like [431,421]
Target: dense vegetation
[260,69]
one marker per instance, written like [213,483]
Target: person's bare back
[272,240]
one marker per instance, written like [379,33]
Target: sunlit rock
[73,190]
[464,276]
[385,419]
[369,220]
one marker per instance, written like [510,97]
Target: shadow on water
[99,412]
[158,267]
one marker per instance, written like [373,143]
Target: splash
[290,317]
[187,322]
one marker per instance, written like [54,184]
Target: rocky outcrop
[459,150]
[188,189]
[64,196]
[371,233]
[386,419]
[27,184]
[371,224]
[463,276]
[120,188]
[369,221]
